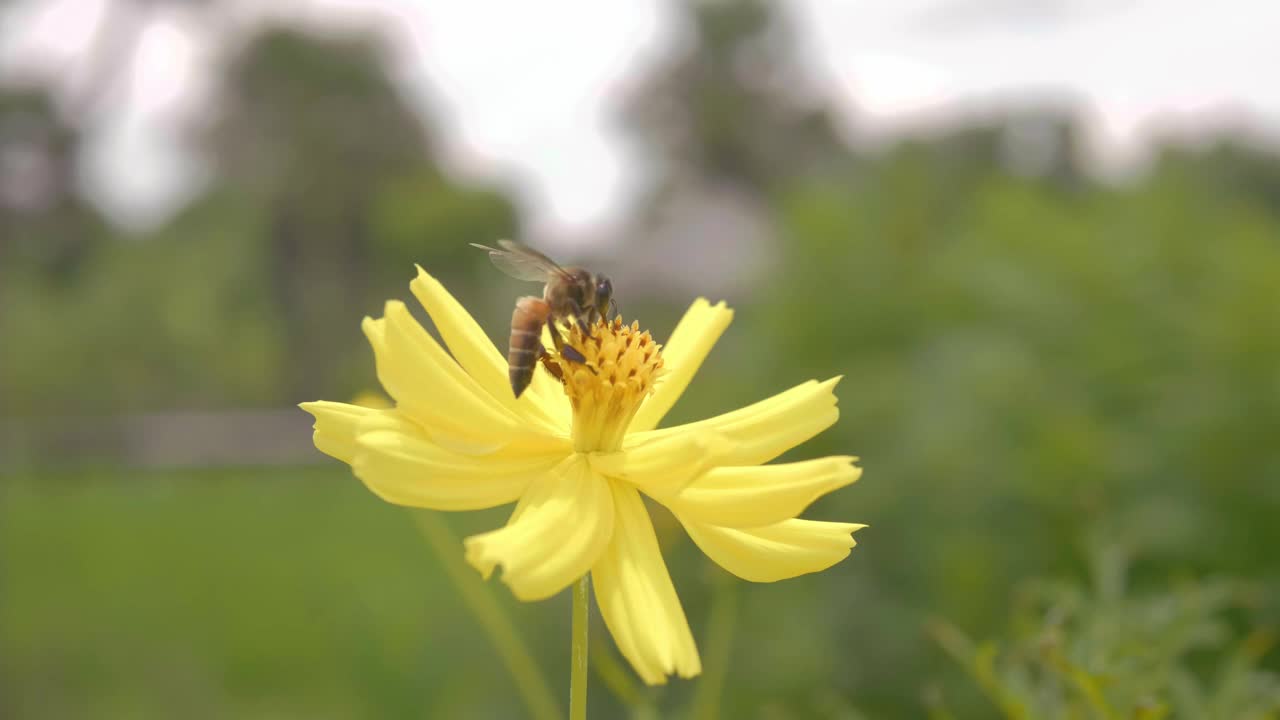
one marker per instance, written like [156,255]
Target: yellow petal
[542,402]
[774,552]
[662,465]
[636,598]
[745,497]
[434,390]
[372,399]
[766,429]
[401,465]
[683,354]
[561,526]
[336,425]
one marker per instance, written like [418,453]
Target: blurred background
[1039,238]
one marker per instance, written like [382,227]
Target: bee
[569,294]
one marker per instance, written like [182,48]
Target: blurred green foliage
[1035,365]
[1032,363]
[1103,652]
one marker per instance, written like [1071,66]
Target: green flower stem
[578,676]
[532,686]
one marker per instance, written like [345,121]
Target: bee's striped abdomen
[526,341]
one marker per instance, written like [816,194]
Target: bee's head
[604,294]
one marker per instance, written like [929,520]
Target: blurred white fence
[183,439]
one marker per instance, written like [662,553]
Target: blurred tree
[1232,167]
[315,130]
[47,229]
[736,106]
[325,192]
[732,116]
[48,232]
[427,216]
[44,220]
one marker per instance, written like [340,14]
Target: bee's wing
[521,261]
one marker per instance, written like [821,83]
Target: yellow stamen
[621,366]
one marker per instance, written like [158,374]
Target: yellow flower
[576,455]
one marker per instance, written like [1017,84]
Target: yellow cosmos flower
[576,455]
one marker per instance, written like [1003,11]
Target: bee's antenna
[613,305]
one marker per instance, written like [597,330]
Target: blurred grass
[245,593]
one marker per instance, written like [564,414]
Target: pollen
[621,365]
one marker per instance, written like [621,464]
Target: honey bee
[569,294]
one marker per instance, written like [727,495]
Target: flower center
[621,366]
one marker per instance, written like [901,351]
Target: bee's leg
[553,368]
[566,350]
[571,354]
[582,316]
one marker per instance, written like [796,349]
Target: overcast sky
[528,91]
